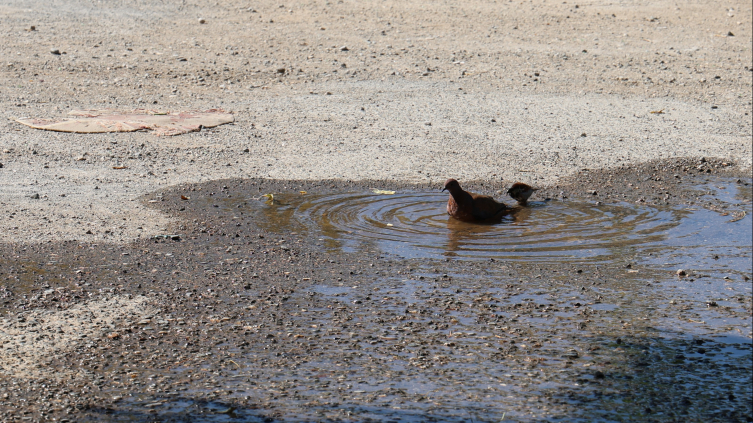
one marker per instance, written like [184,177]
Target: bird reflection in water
[467,236]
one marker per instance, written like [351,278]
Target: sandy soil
[509,91]
[52,334]
[570,97]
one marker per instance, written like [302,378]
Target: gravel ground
[107,317]
[239,318]
[510,91]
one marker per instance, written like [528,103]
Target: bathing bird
[472,207]
[521,192]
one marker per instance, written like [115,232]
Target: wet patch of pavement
[248,321]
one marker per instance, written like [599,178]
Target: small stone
[344,48]
[681,273]
[55,52]
[202,21]
[281,70]
[571,354]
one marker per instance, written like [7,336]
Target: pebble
[55,52]
[393,334]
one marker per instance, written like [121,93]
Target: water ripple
[415,225]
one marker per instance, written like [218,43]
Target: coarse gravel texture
[239,319]
[345,90]
[126,295]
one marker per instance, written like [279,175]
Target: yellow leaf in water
[269,196]
[303,192]
[658,112]
[381,191]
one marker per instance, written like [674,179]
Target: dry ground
[404,91]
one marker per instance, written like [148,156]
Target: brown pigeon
[472,207]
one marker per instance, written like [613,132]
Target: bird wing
[486,207]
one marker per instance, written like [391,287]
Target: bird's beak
[443,189]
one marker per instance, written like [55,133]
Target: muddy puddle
[580,315]
[415,225]
[353,306]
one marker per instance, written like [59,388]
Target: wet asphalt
[258,323]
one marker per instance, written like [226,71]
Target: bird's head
[521,191]
[451,185]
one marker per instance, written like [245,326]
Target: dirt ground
[106,317]
[346,90]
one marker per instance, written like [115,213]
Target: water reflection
[463,236]
[415,225]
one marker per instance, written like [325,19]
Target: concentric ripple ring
[416,225]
